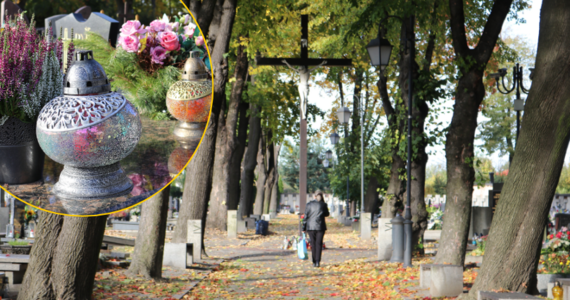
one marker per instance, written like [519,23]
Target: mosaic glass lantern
[189,100]
[89,130]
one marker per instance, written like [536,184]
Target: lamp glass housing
[334,138]
[329,154]
[379,51]
[326,163]
[343,115]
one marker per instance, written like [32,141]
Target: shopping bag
[302,248]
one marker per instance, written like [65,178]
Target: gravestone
[241,226]
[178,255]
[195,238]
[481,218]
[50,23]
[442,280]
[250,223]
[232,223]
[4,218]
[9,9]
[561,220]
[266,217]
[484,295]
[84,11]
[384,239]
[98,23]
[365,226]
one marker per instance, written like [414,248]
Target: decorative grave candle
[189,100]
[89,130]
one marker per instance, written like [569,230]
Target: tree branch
[492,30]
[386,104]
[431,40]
[458,27]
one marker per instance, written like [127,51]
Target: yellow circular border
[185,166]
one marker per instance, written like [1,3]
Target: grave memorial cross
[304,73]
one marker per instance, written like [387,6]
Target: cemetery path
[256,267]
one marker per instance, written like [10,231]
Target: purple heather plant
[22,59]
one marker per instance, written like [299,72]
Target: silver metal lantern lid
[194,68]
[86,76]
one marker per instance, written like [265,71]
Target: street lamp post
[343,116]
[518,85]
[379,51]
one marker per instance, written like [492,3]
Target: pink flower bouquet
[162,43]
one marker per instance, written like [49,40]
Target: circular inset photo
[99,115]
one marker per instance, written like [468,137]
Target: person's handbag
[302,248]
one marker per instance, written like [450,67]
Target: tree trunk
[371,196]
[460,137]
[149,248]
[270,180]
[237,158]
[393,197]
[249,164]
[261,178]
[197,184]
[226,145]
[352,208]
[199,171]
[274,201]
[516,231]
[64,259]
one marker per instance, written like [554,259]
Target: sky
[527,30]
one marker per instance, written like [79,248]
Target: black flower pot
[21,158]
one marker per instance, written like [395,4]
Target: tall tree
[149,248]
[527,195]
[64,259]
[469,94]
[274,200]
[199,177]
[238,158]
[261,177]
[249,164]
[226,146]
[270,170]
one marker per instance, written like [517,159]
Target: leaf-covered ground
[256,267]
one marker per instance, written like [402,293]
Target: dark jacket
[315,214]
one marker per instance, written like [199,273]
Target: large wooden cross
[304,72]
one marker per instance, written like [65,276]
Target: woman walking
[314,224]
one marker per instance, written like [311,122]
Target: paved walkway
[256,267]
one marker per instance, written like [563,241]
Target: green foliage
[564,181]
[317,178]
[18,243]
[146,92]
[436,180]
[377,160]
[498,132]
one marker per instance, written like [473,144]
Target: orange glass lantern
[189,100]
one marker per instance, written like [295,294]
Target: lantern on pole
[343,114]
